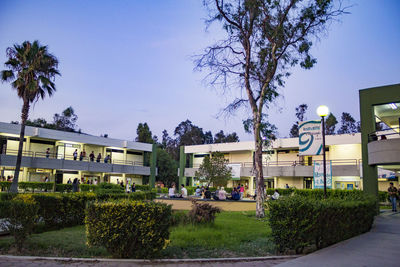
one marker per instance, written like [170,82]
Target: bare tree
[264,39]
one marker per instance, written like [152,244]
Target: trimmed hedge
[19,218]
[28,186]
[298,222]
[60,210]
[128,229]
[63,188]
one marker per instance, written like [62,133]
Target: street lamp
[323,111]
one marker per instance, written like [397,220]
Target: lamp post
[323,111]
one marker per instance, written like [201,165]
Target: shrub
[383,196]
[203,212]
[4,186]
[63,188]
[19,218]
[59,210]
[87,187]
[179,217]
[298,222]
[128,229]
[142,187]
[109,188]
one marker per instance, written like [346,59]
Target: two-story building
[50,153]
[282,165]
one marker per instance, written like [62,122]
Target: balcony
[42,160]
[342,167]
[384,147]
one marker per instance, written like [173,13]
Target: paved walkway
[379,247]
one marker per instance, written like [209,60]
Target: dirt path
[186,204]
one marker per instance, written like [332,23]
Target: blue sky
[125,62]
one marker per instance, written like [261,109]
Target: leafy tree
[300,112]
[264,39]
[31,69]
[188,134]
[167,167]
[348,124]
[214,170]
[220,137]
[232,138]
[144,134]
[208,137]
[170,145]
[66,121]
[40,122]
[330,124]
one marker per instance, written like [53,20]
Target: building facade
[50,153]
[282,164]
[380,149]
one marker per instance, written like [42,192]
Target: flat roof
[283,143]
[9,128]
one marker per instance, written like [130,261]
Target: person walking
[393,194]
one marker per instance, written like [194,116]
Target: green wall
[368,99]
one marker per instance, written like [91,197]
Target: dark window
[36,141]
[114,150]
[134,153]
[200,155]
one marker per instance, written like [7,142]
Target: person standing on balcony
[393,194]
[91,156]
[75,154]
[48,153]
[81,156]
[98,157]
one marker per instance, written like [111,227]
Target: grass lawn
[233,234]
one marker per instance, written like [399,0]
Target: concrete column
[25,174]
[182,165]
[153,164]
[275,182]
[251,185]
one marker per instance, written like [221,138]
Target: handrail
[33,154]
[374,135]
[14,152]
[289,163]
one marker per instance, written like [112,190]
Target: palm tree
[31,70]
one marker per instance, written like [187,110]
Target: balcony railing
[335,162]
[384,134]
[33,154]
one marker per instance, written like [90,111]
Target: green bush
[383,196]
[87,187]
[19,218]
[28,186]
[68,209]
[63,188]
[202,212]
[128,229]
[142,187]
[4,186]
[298,221]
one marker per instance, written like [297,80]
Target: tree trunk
[260,213]
[24,117]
